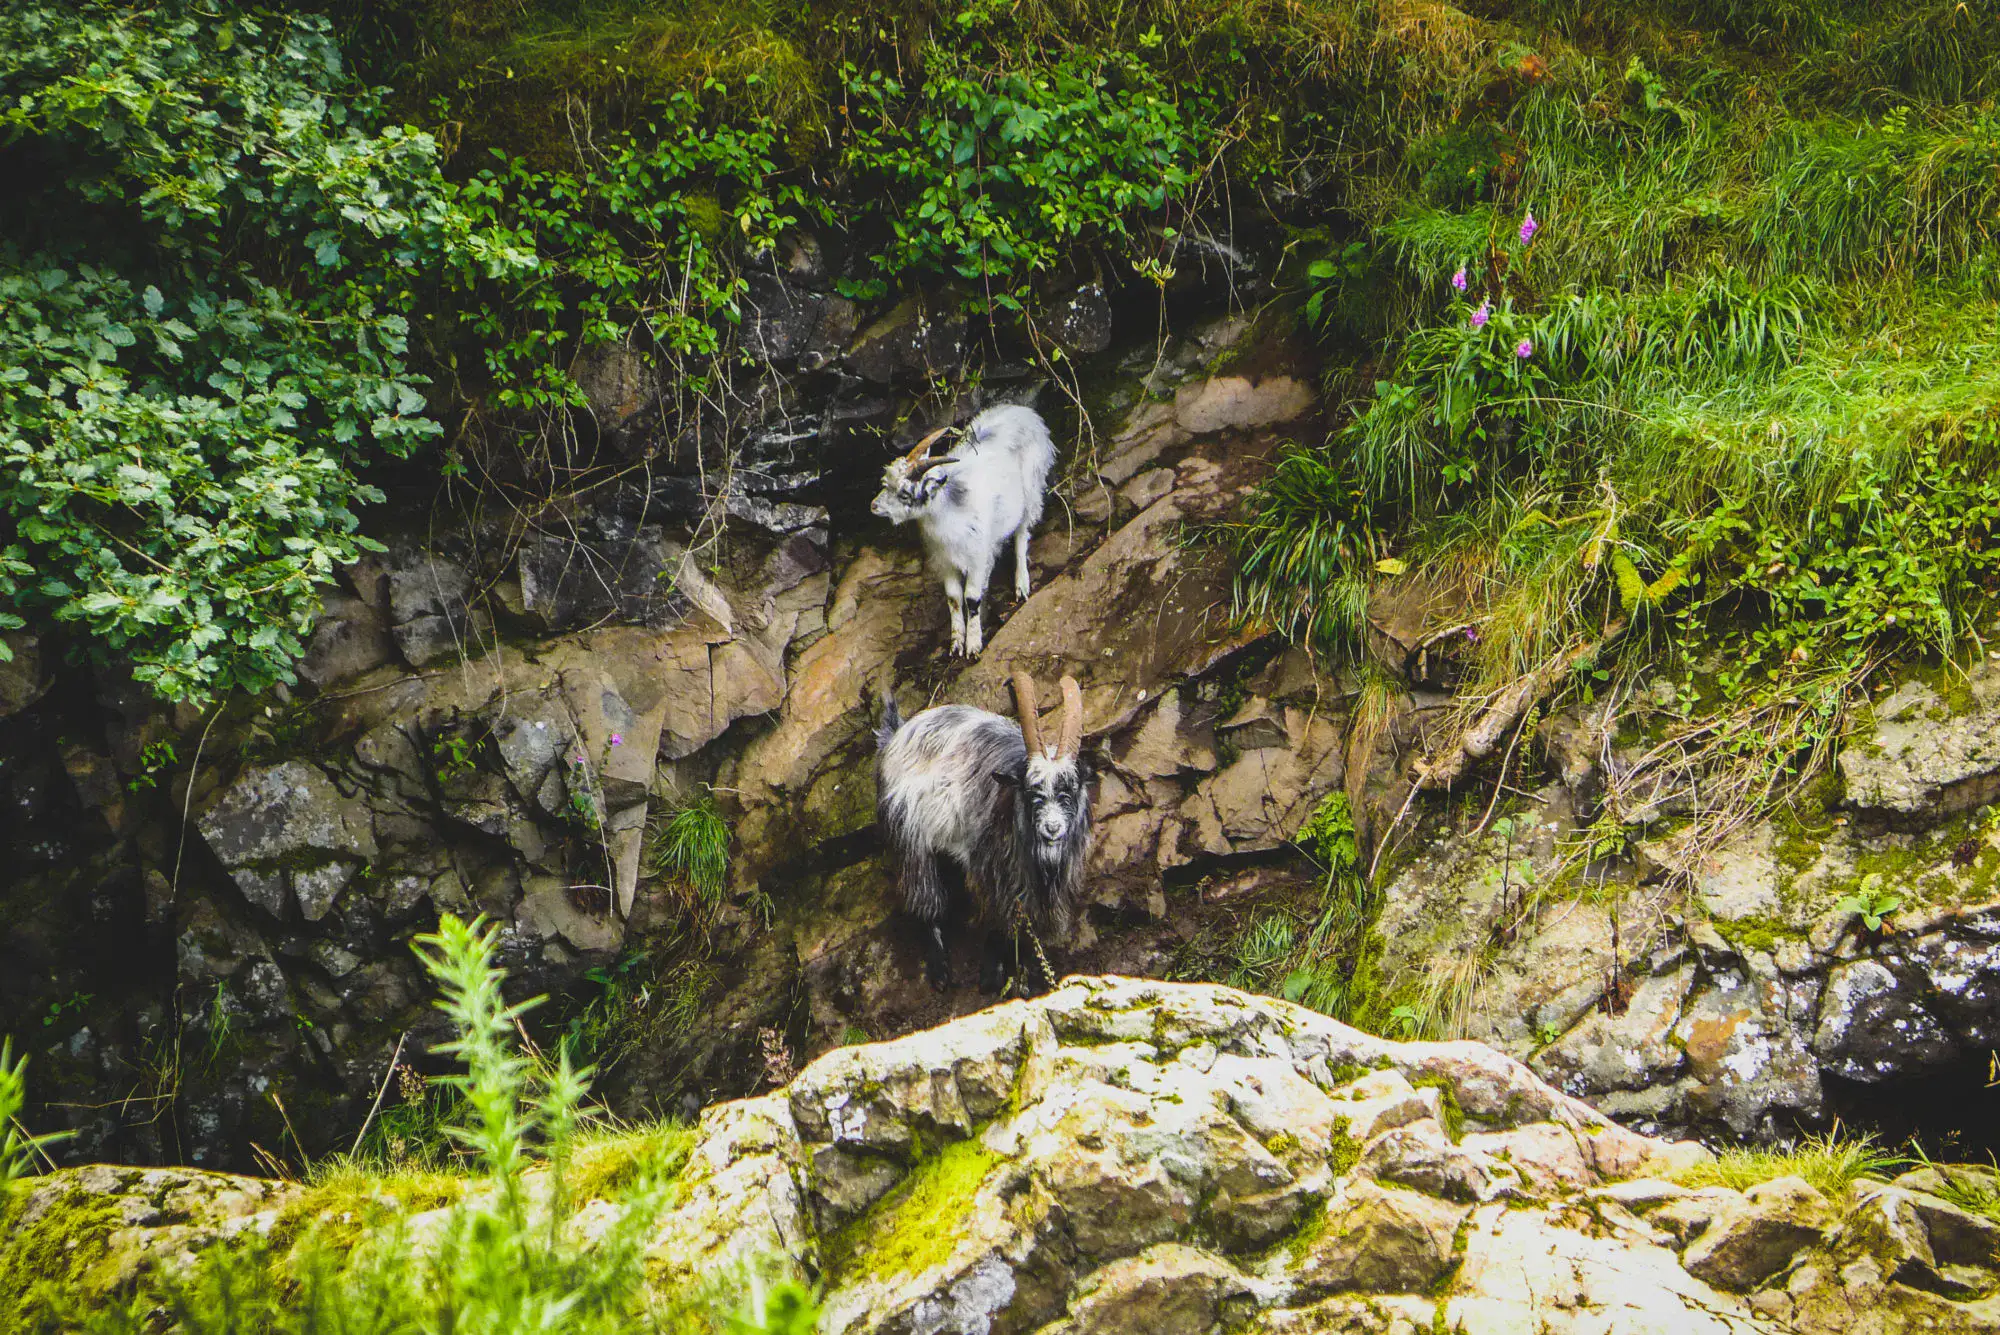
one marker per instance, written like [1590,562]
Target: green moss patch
[917,1224]
[61,1254]
[607,1166]
[1454,1115]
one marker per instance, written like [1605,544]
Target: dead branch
[1504,713]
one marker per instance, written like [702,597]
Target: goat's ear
[1006,778]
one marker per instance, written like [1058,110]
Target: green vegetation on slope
[1737,381]
[502,1252]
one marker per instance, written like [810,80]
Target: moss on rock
[915,1226]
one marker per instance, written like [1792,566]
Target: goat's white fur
[989,488]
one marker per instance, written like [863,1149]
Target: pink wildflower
[1482,315]
[617,740]
[1525,350]
[1458,279]
[1528,227]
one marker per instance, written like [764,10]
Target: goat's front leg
[954,597]
[1021,562]
[975,594]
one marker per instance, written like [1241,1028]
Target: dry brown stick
[1507,709]
[375,1107]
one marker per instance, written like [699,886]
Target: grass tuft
[688,848]
[1832,1163]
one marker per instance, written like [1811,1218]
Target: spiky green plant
[505,1258]
[17,1146]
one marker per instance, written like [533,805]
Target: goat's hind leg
[975,594]
[925,896]
[1021,563]
[997,961]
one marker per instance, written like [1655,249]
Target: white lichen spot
[969,1306]
[1750,1060]
[847,1123]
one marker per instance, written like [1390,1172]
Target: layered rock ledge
[1128,1155]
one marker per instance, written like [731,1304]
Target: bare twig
[380,1093]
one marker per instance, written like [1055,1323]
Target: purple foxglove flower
[1482,315]
[617,740]
[1528,227]
[1458,280]
[1525,349]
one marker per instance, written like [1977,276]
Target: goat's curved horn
[1024,705]
[923,447]
[1070,740]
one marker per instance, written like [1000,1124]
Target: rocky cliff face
[1128,1155]
[1754,996]
[206,917]
[496,712]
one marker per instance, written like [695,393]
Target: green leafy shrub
[204,323]
[640,244]
[993,170]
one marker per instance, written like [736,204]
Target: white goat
[967,503]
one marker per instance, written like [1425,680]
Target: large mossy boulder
[1131,1155]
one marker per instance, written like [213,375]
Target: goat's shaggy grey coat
[989,488]
[965,784]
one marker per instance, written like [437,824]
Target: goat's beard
[1049,853]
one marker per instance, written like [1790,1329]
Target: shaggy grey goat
[962,786]
[967,503]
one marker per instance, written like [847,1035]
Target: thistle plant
[506,1259]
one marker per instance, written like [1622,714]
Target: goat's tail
[892,719]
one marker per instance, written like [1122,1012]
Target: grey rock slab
[1923,761]
[1873,1025]
[281,811]
[1750,1241]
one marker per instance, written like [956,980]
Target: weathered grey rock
[787,321]
[1745,1037]
[1168,1289]
[1380,1240]
[1521,1273]
[1062,1166]
[1925,759]
[1748,1243]
[1422,1157]
[908,339]
[1082,321]
[286,811]
[348,640]
[616,382]
[1873,1025]
[1234,403]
